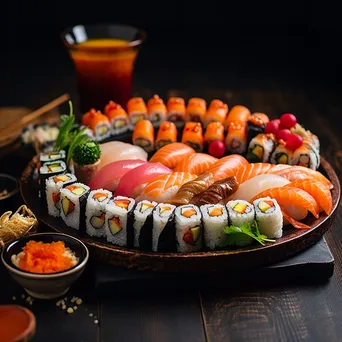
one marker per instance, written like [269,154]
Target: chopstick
[35,114]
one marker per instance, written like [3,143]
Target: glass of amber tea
[104,58]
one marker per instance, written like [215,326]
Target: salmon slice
[318,190]
[172,154]
[300,172]
[196,163]
[227,166]
[291,196]
[164,187]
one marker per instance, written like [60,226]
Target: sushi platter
[175,188]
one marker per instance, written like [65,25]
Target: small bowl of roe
[45,264]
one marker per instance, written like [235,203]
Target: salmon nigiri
[293,198]
[299,172]
[172,154]
[163,188]
[318,190]
[196,163]
[227,166]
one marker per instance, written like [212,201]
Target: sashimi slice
[134,181]
[318,190]
[257,184]
[292,221]
[300,172]
[290,196]
[195,163]
[109,176]
[172,154]
[227,166]
[117,150]
[163,188]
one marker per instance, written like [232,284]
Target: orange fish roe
[42,257]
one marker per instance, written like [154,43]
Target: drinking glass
[104,56]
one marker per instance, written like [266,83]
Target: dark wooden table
[290,311]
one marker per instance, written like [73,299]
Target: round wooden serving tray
[292,242]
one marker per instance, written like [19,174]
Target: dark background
[217,44]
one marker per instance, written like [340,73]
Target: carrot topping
[100,195]
[122,203]
[216,212]
[42,257]
[189,212]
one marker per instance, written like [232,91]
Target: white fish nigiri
[117,150]
[247,190]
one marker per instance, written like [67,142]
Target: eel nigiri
[253,186]
[117,150]
[227,166]
[109,176]
[237,113]
[190,189]
[162,188]
[196,163]
[299,172]
[218,192]
[167,134]
[133,182]
[196,109]
[318,190]
[294,198]
[172,154]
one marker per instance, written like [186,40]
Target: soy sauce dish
[45,264]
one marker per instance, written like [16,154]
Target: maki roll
[237,136]
[156,110]
[54,185]
[217,111]
[240,212]
[269,217]
[118,117]
[261,147]
[142,226]
[73,201]
[196,109]
[119,220]
[95,212]
[143,135]
[48,170]
[193,136]
[176,111]
[281,154]
[215,219]
[45,157]
[137,110]
[163,231]
[167,134]
[188,228]
[256,124]
[237,113]
[98,123]
[306,155]
[213,132]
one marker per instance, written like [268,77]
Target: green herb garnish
[87,153]
[244,235]
[70,135]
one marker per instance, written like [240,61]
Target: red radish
[283,134]
[217,149]
[294,141]
[272,126]
[287,120]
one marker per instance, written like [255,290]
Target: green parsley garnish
[244,235]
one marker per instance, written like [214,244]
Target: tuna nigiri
[227,166]
[109,176]
[319,191]
[294,198]
[164,187]
[117,150]
[172,154]
[257,184]
[133,182]
[196,163]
